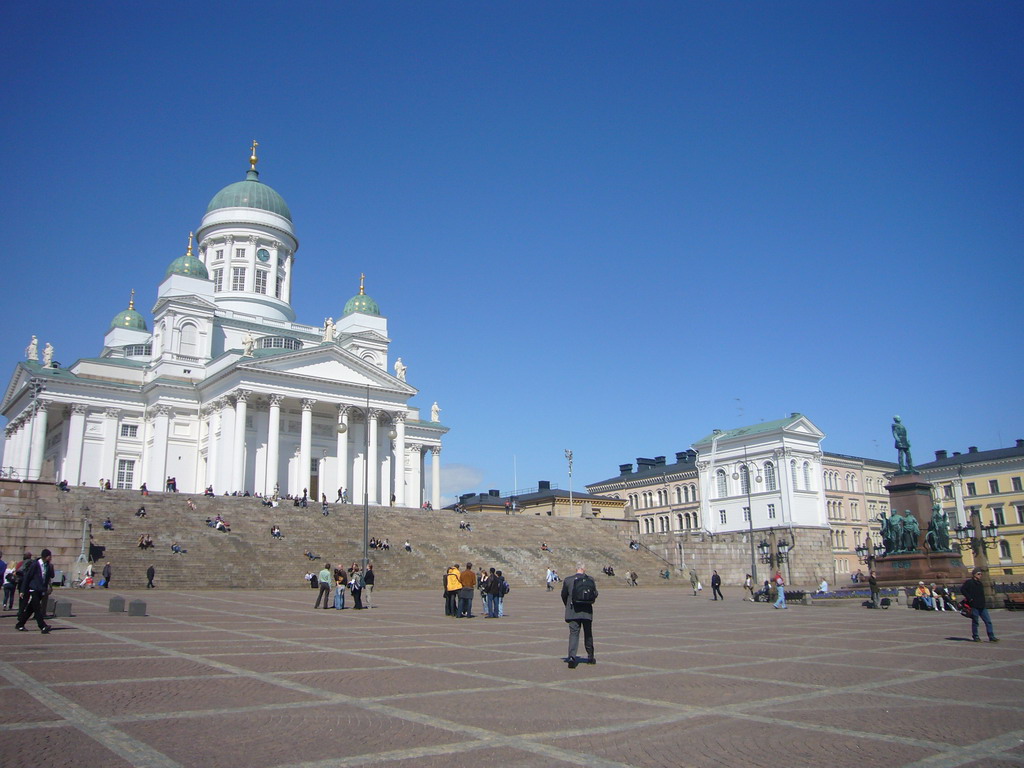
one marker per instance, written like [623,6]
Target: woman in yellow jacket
[452,585]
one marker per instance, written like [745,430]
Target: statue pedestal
[912,492]
[908,569]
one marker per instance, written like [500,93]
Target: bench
[1014,601]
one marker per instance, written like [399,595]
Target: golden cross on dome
[189,252]
[362,281]
[252,158]
[131,301]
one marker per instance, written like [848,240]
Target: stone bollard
[116,605]
[137,608]
[62,609]
[51,606]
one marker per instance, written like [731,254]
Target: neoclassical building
[227,389]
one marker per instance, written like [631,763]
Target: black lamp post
[980,538]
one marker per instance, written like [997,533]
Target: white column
[435,475]
[10,433]
[111,416]
[343,469]
[373,471]
[286,289]
[226,447]
[76,431]
[39,422]
[305,443]
[238,444]
[213,444]
[22,449]
[157,459]
[273,444]
[399,419]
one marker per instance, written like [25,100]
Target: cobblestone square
[262,680]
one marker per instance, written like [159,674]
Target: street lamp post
[750,510]
[981,538]
[568,457]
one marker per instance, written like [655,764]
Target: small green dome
[188,265]
[251,193]
[361,303]
[128,319]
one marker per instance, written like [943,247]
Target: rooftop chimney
[494,492]
[1020,443]
[681,457]
[973,449]
[625,469]
[543,485]
[659,461]
[939,455]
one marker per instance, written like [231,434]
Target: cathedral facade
[225,388]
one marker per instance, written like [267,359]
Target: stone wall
[810,559]
[36,516]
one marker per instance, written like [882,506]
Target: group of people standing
[459,585]
[339,581]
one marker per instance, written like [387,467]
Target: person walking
[35,586]
[694,581]
[324,582]
[748,584]
[716,586]
[107,571]
[873,586]
[150,573]
[579,592]
[974,593]
[452,586]
[780,586]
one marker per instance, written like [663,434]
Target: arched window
[679,522]
[1004,550]
[693,493]
[792,471]
[696,520]
[189,344]
[679,495]
[744,479]
[769,476]
[723,487]
[807,476]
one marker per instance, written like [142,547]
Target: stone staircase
[250,557]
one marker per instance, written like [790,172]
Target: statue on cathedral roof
[435,412]
[400,369]
[248,344]
[47,355]
[32,350]
[329,329]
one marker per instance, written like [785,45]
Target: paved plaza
[254,679]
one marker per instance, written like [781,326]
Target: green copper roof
[128,319]
[188,265]
[251,193]
[753,429]
[361,303]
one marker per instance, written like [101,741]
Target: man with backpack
[579,592]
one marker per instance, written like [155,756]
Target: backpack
[505,588]
[584,590]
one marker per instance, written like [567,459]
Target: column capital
[343,410]
[79,408]
[308,403]
[275,399]
[161,410]
[242,395]
[435,450]
[112,413]
[399,416]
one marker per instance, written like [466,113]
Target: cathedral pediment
[327,362]
[185,302]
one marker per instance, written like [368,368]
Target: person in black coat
[150,574]
[974,593]
[35,588]
[716,586]
[578,617]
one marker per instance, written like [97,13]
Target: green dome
[128,319]
[361,303]
[251,193]
[188,265]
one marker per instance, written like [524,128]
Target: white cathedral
[227,390]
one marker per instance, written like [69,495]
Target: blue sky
[611,227]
